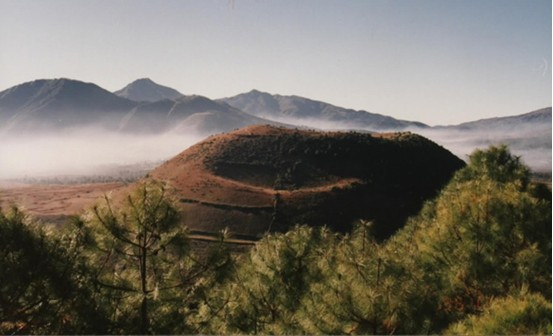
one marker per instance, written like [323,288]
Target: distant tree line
[475,260]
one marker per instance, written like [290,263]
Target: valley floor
[53,202]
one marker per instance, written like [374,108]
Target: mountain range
[540,118]
[143,106]
[61,104]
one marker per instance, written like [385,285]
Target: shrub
[522,314]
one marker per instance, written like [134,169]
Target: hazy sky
[439,62]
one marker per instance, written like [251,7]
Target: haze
[533,148]
[85,152]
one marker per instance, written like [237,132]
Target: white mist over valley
[533,149]
[87,152]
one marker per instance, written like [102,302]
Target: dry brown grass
[49,200]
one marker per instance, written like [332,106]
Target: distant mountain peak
[145,79]
[257,92]
[146,90]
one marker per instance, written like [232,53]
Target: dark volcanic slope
[263,178]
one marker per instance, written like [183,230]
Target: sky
[435,61]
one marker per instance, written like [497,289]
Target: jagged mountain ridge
[146,90]
[295,109]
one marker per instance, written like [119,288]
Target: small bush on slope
[521,314]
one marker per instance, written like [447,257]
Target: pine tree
[265,291]
[145,265]
[43,283]
[485,236]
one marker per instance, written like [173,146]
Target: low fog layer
[93,152]
[532,145]
[85,152]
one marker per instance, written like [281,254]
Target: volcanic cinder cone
[263,178]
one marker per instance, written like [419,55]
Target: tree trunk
[145,322]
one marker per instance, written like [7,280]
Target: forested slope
[476,260]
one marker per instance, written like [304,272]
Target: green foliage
[265,290]
[521,314]
[489,235]
[485,236]
[144,262]
[119,269]
[495,163]
[43,287]
[357,292]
